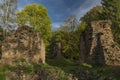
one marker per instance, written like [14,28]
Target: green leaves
[82,27]
[68,36]
[92,15]
[112,12]
[36,16]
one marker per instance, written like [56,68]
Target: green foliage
[112,12]
[64,77]
[56,37]
[86,65]
[69,35]
[36,16]
[86,71]
[68,38]
[27,69]
[22,68]
[51,71]
[81,27]
[2,76]
[61,69]
[22,60]
[3,72]
[96,13]
[64,64]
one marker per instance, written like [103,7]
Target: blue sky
[59,10]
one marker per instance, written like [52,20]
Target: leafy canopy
[112,12]
[94,14]
[36,16]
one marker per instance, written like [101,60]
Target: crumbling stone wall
[98,46]
[1,39]
[24,43]
[57,50]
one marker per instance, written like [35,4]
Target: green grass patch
[3,72]
[64,64]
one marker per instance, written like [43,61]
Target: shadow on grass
[89,72]
[64,64]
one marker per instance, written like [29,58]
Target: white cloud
[56,25]
[20,8]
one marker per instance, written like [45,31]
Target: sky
[60,10]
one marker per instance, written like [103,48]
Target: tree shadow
[98,54]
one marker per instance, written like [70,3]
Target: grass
[3,72]
[74,68]
[62,68]
[52,70]
[31,68]
[64,64]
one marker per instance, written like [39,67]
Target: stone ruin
[25,43]
[98,46]
[57,50]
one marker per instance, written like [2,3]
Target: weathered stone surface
[37,73]
[57,50]
[98,46]
[25,43]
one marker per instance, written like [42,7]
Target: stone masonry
[98,46]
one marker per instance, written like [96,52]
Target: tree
[55,45]
[96,13]
[112,12]
[68,38]
[8,9]
[81,28]
[36,16]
